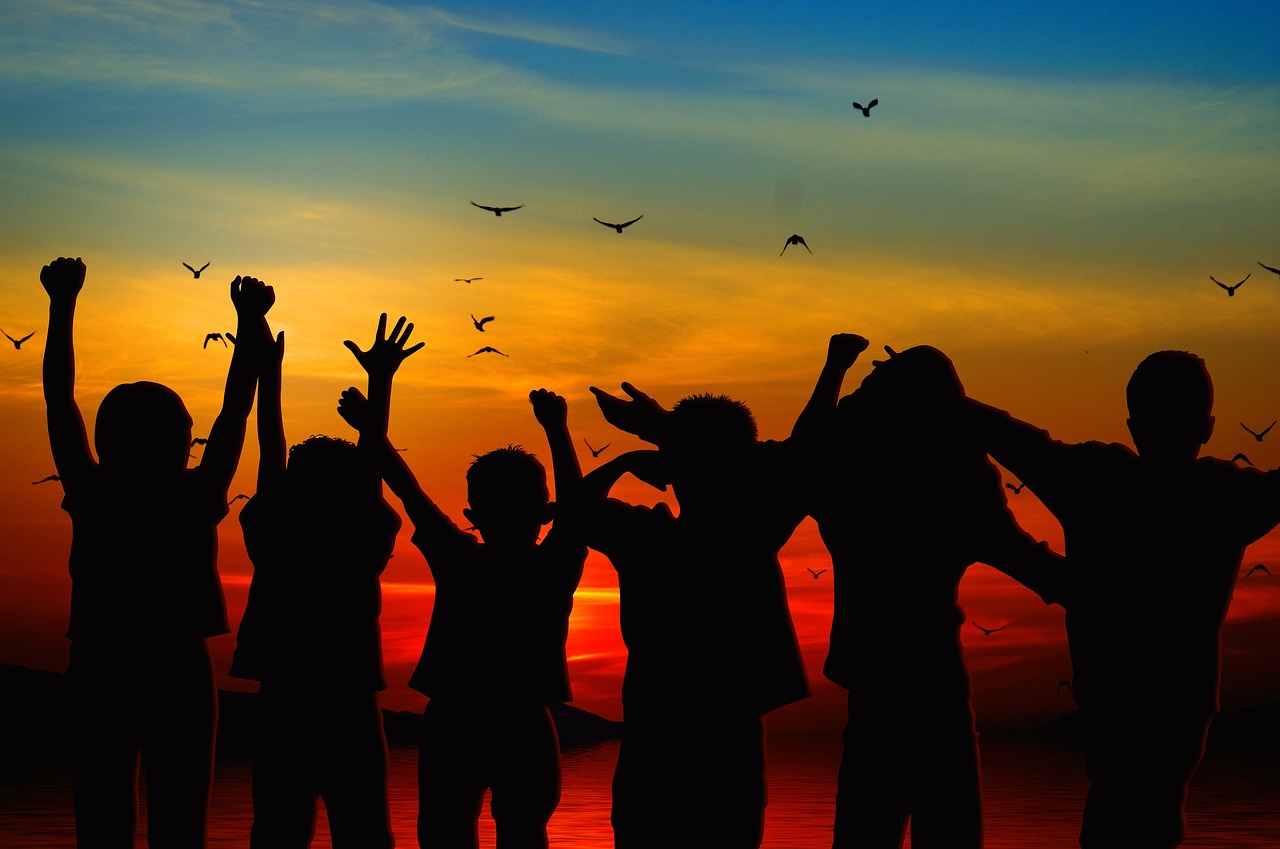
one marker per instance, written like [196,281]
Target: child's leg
[177,753]
[105,752]
[452,770]
[355,774]
[526,780]
[284,767]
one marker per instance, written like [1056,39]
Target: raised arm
[252,299]
[62,279]
[1022,448]
[817,415]
[552,413]
[354,408]
[271,442]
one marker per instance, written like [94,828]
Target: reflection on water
[1034,791]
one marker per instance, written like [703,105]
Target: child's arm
[252,299]
[641,416]
[552,413]
[271,442]
[1022,448]
[62,279]
[842,352]
[646,465]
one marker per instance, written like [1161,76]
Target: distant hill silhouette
[33,719]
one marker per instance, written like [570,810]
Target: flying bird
[1017,490]
[214,337]
[1231,290]
[617,227]
[480,323]
[1242,457]
[815,574]
[794,239]
[1269,268]
[466,279]
[197,272]
[989,631]
[237,498]
[496,210]
[1062,684]
[866,110]
[1258,436]
[487,350]
[595,452]
[1258,568]
[198,440]
[17,343]
[46,480]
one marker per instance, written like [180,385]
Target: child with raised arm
[1155,538]
[494,656]
[145,591]
[906,500]
[711,648]
[319,534]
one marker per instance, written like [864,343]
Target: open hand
[387,352]
[63,278]
[641,415]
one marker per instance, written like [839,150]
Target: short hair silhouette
[324,464]
[707,418]
[507,477]
[142,424]
[1170,384]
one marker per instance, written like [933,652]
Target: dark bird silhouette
[989,631]
[237,498]
[617,227]
[496,210]
[196,272]
[466,279]
[1258,436]
[1231,290]
[487,350]
[1017,490]
[866,110]
[595,452]
[1275,271]
[1062,684]
[1242,457]
[815,574]
[17,343]
[1258,568]
[214,337]
[199,440]
[794,239]
[480,323]
[46,480]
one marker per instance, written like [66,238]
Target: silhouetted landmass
[33,720]
[1255,730]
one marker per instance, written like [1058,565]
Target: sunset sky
[1041,192]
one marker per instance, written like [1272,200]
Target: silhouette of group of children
[896,475]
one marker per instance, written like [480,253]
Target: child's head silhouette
[707,439]
[507,496]
[143,429]
[326,472]
[1170,406]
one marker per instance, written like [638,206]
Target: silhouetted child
[319,534]
[1155,540]
[711,647]
[906,499]
[145,591]
[494,656]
